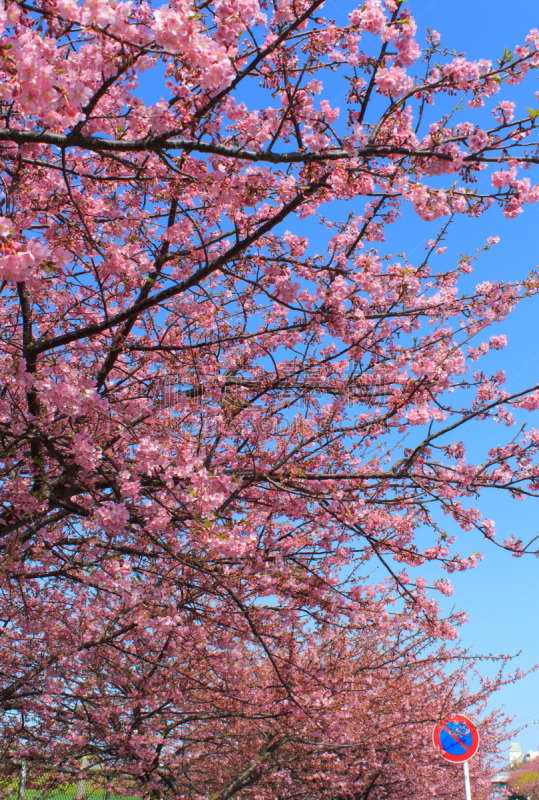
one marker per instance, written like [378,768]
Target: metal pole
[80,792]
[22,781]
[467,781]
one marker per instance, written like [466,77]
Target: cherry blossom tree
[523,779]
[211,433]
[351,716]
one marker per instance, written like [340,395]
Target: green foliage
[524,779]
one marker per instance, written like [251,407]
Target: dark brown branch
[189,283]
[126,329]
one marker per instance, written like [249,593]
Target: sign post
[467,781]
[456,738]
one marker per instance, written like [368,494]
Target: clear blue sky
[501,595]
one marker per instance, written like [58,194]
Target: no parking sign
[456,738]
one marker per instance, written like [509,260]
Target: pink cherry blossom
[478,140]
[393,81]
[226,399]
[6,227]
[503,178]
[504,111]
[112,517]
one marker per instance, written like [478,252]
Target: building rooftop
[515,757]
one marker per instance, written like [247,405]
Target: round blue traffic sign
[456,738]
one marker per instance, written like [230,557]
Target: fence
[22,780]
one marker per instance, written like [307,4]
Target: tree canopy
[211,433]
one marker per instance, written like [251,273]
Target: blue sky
[501,595]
